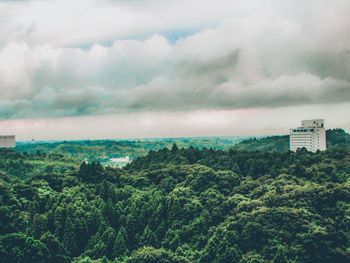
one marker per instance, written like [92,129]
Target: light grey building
[310,135]
[7,141]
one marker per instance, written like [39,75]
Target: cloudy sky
[153,68]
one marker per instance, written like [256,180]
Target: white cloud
[75,58]
[64,22]
[242,63]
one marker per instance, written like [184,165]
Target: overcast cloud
[69,59]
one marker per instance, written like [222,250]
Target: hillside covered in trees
[99,150]
[177,205]
[335,137]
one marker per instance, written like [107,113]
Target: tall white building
[311,135]
[7,141]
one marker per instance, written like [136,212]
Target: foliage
[102,150]
[335,138]
[177,205]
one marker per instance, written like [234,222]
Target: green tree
[148,238]
[57,251]
[19,248]
[220,250]
[281,255]
[70,238]
[153,255]
[120,248]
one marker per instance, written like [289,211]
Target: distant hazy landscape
[104,150]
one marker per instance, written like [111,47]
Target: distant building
[125,159]
[311,135]
[7,141]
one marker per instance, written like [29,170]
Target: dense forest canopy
[178,205]
[335,137]
[100,149]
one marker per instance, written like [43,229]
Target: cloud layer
[80,58]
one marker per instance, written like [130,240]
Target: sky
[89,69]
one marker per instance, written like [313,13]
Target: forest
[256,202]
[98,150]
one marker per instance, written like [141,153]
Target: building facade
[7,141]
[311,135]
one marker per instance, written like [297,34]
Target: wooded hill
[335,137]
[177,205]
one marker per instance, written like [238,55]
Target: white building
[125,159]
[7,141]
[311,135]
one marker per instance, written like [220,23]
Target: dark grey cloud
[265,58]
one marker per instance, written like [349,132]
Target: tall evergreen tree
[119,248]
[69,237]
[148,238]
